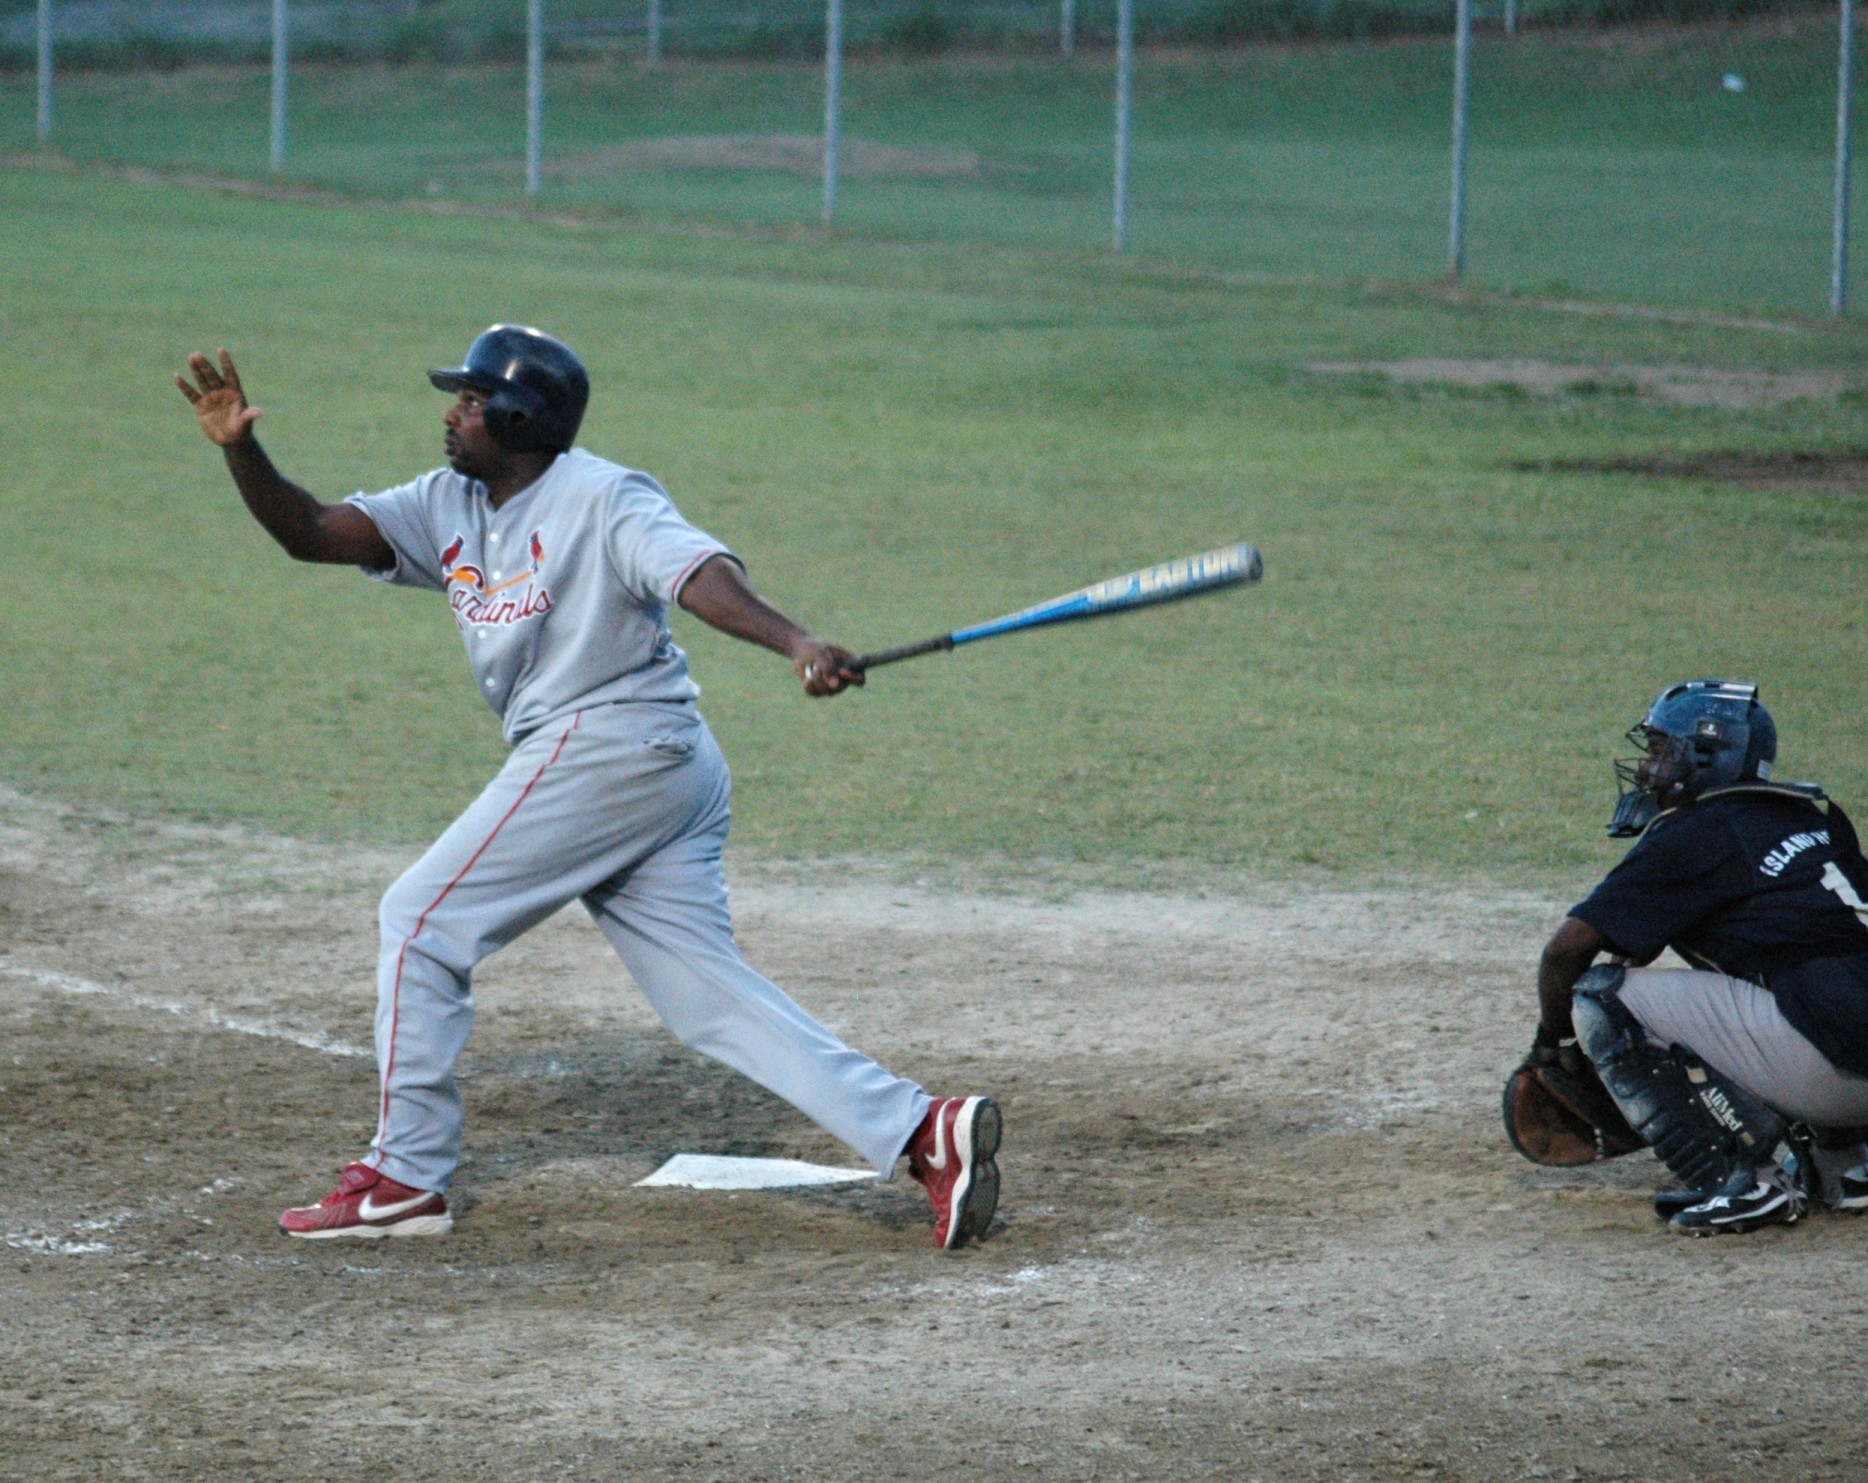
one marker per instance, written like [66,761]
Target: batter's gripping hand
[825,668]
[1558,1112]
[220,404]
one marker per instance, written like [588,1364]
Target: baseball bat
[1168,581]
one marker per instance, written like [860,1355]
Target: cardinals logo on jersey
[476,600]
[469,574]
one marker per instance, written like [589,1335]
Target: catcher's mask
[1699,735]
[536,387]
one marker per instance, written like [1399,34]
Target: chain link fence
[158,32]
[1673,152]
[1698,158]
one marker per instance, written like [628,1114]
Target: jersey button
[489,682]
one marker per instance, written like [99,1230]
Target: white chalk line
[65,983]
[74,1245]
[82,1240]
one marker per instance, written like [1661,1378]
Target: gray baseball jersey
[562,593]
[615,794]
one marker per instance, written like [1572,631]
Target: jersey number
[1835,880]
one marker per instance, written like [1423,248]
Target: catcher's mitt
[1558,1112]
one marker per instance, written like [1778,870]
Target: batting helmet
[1699,735]
[536,387]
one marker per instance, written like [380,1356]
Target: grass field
[900,439]
[1614,165]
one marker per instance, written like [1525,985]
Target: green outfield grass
[1610,165]
[1429,682]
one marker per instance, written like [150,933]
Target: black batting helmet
[536,387]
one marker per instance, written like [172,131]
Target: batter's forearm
[308,529]
[721,597]
[288,512]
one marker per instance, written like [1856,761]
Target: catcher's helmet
[536,387]
[1699,735]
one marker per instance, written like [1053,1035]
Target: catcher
[1747,1072]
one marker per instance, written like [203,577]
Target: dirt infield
[794,154]
[1259,1220]
[1841,474]
[1680,386]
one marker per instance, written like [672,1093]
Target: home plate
[713,1171]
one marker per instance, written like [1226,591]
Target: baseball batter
[558,567]
[1764,1039]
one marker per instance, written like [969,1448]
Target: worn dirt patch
[1259,1217]
[1843,474]
[797,154]
[1677,385]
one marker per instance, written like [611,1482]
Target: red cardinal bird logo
[465,572]
[538,552]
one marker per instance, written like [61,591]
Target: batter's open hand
[219,403]
[825,668]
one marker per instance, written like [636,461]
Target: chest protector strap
[1842,832]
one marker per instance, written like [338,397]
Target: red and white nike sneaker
[951,1154]
[370,1204]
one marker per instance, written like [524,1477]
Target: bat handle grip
[906,651]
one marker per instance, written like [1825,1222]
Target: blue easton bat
[1230,566]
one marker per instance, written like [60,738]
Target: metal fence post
[1125,108]
[45,71]
[833,103]
[1462,77]
[534,93]
[1067,27]
[1845,91]
[281,51]
[655,33]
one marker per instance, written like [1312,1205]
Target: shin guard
[1703,1126]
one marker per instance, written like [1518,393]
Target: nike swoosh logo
[938,1159]
[370,1210]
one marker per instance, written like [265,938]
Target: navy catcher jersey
[1757,885]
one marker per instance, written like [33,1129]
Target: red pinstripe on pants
[395,1010]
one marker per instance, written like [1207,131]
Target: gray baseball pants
[1736,1027]
[626,808]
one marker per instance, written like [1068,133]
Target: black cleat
[1670,1202]
[1770,1198]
